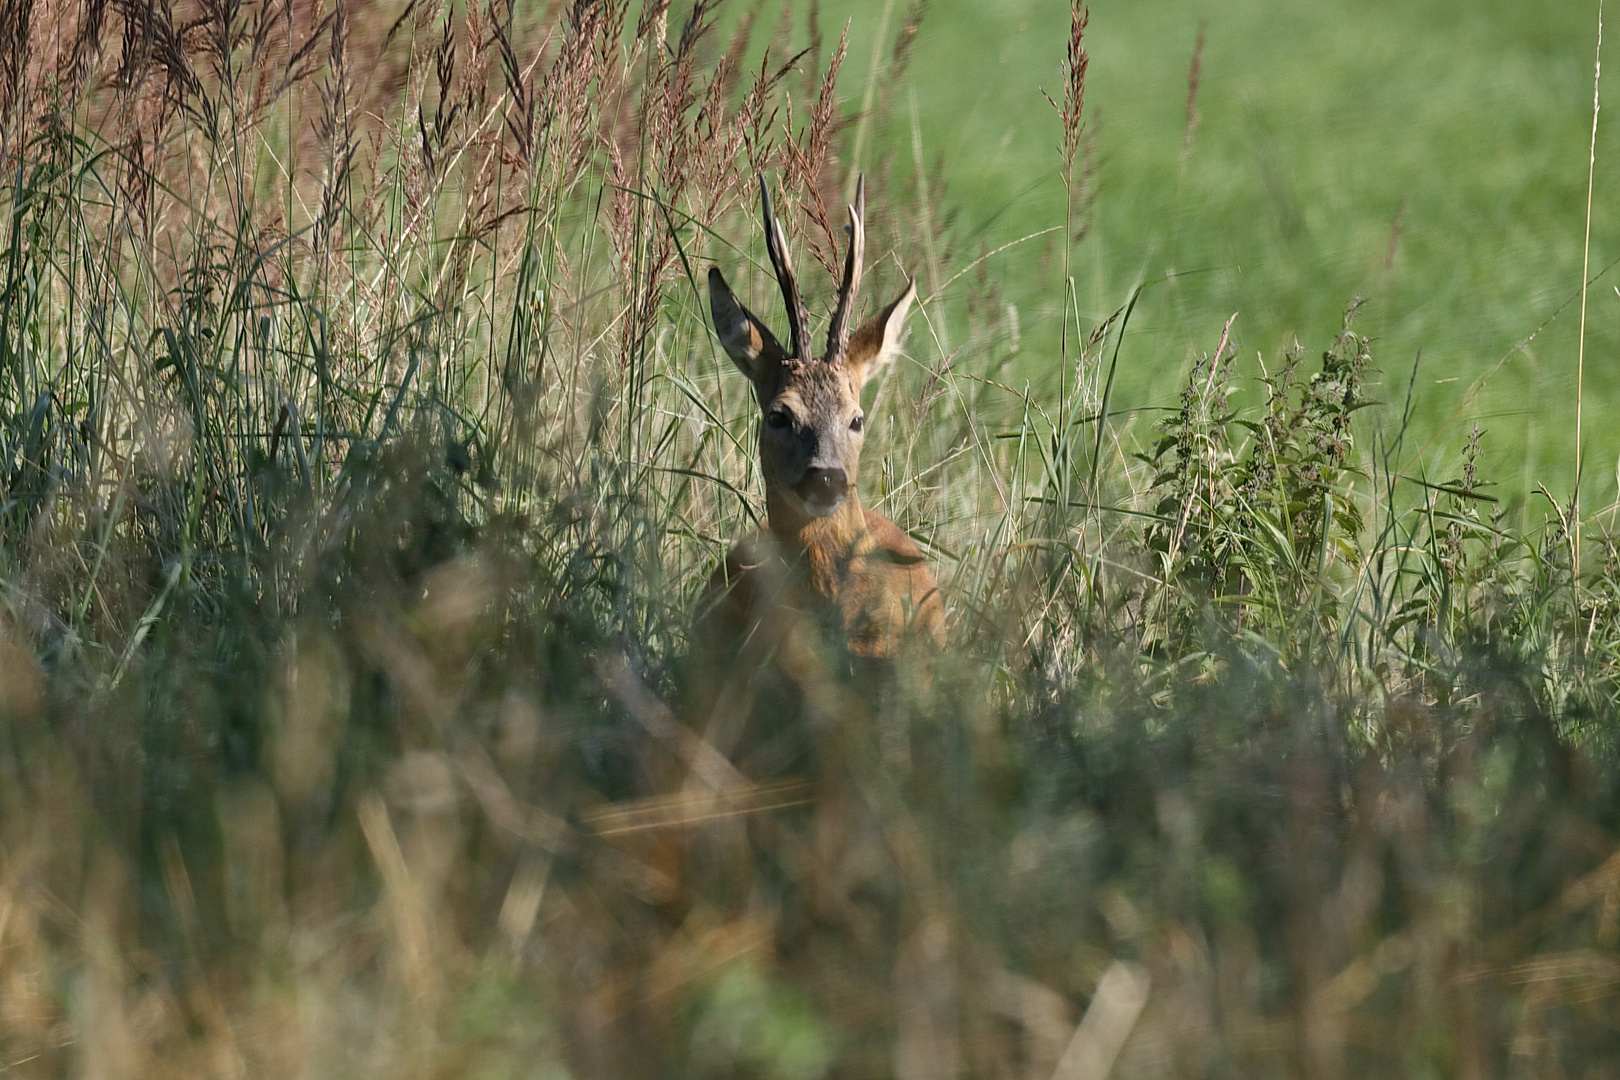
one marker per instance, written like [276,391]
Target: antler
[838,332]
[776,243]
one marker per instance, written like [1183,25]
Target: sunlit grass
[1323,127]
[366,449]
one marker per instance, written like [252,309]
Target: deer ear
[878,341]
[752,347]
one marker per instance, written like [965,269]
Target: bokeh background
[1428,156]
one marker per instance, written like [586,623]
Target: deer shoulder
[873,586]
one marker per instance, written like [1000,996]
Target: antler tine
[776,244]
[838,332]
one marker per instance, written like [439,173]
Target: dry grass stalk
[1195,80]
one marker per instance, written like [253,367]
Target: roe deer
[773,837]
[823,561]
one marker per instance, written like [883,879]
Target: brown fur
[791,602]
[865,569]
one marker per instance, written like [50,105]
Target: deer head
[810,441]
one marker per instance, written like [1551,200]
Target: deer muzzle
[822,490]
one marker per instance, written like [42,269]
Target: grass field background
[367,450]
[1322,127]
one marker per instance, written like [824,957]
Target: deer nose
[823,485]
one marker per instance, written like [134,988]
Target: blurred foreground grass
[365,447]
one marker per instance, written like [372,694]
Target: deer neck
[824,543]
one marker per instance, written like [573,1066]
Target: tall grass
[1586,269]
[366,448]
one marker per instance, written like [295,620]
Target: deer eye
[777,418]
[858,423]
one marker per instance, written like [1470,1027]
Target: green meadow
[1430,157]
